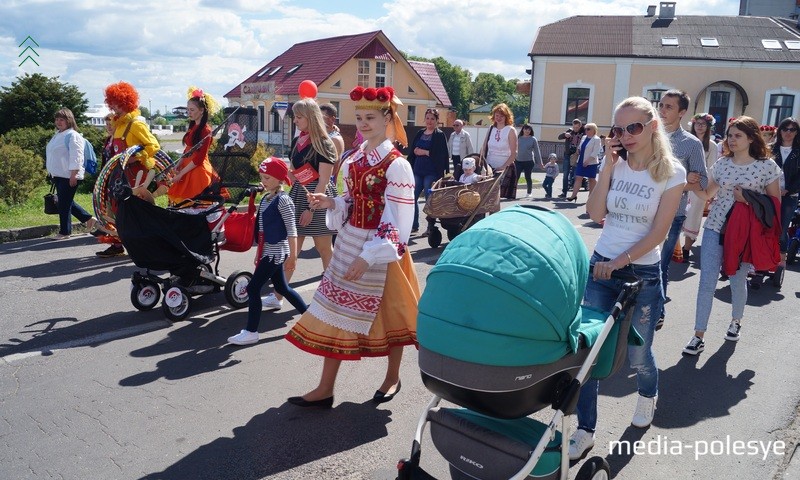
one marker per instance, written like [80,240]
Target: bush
[33,139]
[20,173]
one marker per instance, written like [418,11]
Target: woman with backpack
[64,155]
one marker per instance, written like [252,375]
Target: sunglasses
[634,129]
[789,129]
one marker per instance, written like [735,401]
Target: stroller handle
[627,277]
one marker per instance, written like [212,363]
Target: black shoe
[301,402]
[659,324]
[381,397]
[686,253]
[112,251]
[563,195]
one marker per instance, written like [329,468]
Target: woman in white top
[588,159]
[64,155]
[638,198]
[501,148]
[702,125]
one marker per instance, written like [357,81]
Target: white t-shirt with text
[632,203]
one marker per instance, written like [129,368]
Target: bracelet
[630,260]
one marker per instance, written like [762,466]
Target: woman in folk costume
[366,304]
[194,173]
[123,99]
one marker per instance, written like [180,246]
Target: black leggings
[268,270]
[526,167]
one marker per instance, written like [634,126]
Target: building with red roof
[336,65]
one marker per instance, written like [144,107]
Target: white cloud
[162,47]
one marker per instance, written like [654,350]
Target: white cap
[468,162]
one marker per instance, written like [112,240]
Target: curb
[29,233]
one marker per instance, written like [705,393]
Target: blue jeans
[67,206]
[421,182]
[669,246]
[269,270]
[548,185]
[788,206]
[710,263]
[602,294]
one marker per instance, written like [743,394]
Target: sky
[163,47]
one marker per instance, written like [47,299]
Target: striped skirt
[317,227]
[349,320]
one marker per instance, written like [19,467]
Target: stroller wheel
[777,277]
[595,468]
[236,289]
[435,237]
[176,304]
[791,253]
[145,294]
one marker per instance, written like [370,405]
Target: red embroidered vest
[367,184]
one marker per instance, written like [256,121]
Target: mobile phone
[623,154]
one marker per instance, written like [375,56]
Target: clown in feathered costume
[123,99]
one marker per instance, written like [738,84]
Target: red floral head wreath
[382,98]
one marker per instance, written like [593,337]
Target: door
[718,108]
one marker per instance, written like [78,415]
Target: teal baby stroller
[530,264]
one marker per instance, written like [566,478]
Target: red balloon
[307,89]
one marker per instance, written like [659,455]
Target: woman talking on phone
[638,197]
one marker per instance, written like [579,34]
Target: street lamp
[150,111]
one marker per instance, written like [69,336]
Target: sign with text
[281,108]
[305,174]
[258,91]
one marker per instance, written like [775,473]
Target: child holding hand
[277,247]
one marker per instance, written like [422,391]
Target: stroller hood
[507,292]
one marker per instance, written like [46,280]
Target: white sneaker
[580,444]
[270,302]
[245,337]
[645,410]
[733,332]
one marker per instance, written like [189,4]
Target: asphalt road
[90,388]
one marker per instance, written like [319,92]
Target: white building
[96,115]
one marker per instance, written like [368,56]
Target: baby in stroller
[469,175]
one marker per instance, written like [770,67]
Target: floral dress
[350,319]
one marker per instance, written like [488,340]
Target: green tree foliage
[520,106]
[32,139]
[20,174]
[457,82]
[491,88]
[144,111]
[32,100]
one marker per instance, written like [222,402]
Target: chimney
[651,11]
[666,10]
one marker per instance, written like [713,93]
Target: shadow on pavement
[280,439]
[201,343]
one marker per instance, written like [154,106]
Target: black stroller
[501,368]
[180,240]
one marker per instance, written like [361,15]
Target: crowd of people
[649,180]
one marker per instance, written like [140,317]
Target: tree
[32,100]
[144,111]
[491,88]
[456,81]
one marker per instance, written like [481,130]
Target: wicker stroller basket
[451,199]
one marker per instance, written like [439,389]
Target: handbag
[573,158]
[51,201]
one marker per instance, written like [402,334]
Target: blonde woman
[314,148]
[588,159]
[638,199]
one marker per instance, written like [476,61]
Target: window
[669,41]
[363,73]
[770,44]
[380,74]
[336,105]
[577,105]
[276,121]
[780,107]
[792,44]
[412,115]
[262,72]
[709,42]
[654,96]
[338,84]
[294,69]
[411,90]
[261,124]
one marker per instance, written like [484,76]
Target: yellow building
[336,65]
[583,66]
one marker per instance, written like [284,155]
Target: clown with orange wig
[123,99]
